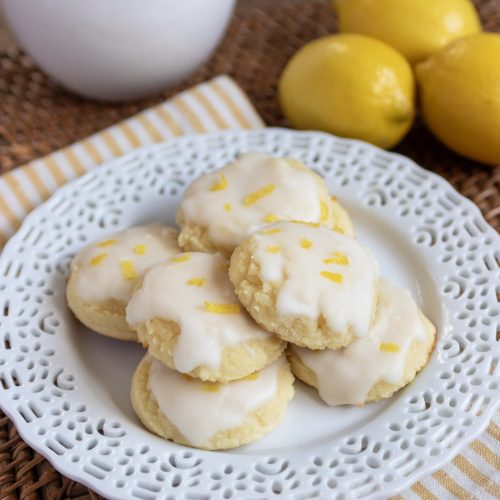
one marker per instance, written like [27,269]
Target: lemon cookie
[312,286]
[104,273]
[373,367]
[219,209]
[186,312]
[210,415]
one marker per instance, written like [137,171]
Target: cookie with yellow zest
[311,285]
[220,208]
[374,367]
[186,313]
[104,274]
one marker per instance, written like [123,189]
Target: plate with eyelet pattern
[67,389]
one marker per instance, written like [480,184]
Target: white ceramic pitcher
[118,49]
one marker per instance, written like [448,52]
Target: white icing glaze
[345,376]
[100,268]
[217,200]
[301,260]
[199,410]
[204,334]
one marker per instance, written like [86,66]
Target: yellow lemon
[460,96]
[416,28]
[352,86]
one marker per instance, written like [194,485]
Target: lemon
[352,86]
[460,96]
[416,28]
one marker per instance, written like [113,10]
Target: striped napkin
[215,105]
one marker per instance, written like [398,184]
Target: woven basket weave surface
[38,117]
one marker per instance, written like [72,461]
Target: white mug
[118,49]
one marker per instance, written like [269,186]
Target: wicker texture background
[37,117]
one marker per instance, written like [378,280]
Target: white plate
[67,389]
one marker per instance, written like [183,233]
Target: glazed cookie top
[182,399]
[345,376]
[318,271]
[109,268]
[193,289]
[255,190]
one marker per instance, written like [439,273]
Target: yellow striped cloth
[215,105]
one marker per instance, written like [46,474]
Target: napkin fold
[215,105]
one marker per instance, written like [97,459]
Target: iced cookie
[210,415]
[104,273]
[187,314]
[373,367]
[310,285]
[219,209]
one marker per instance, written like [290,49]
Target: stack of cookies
[265,262]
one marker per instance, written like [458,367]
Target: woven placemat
[38,117]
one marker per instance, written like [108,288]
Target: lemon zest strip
[128,270]
[181,258]
[196,282]
[254,197]
[273,249]
[270,218]
[95,261]
[337,258]
[106,243]
[311,224]
[335,277]
[272,230]
[221,308]
[140,249]
[305,243]
[389,347]
[221,185]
